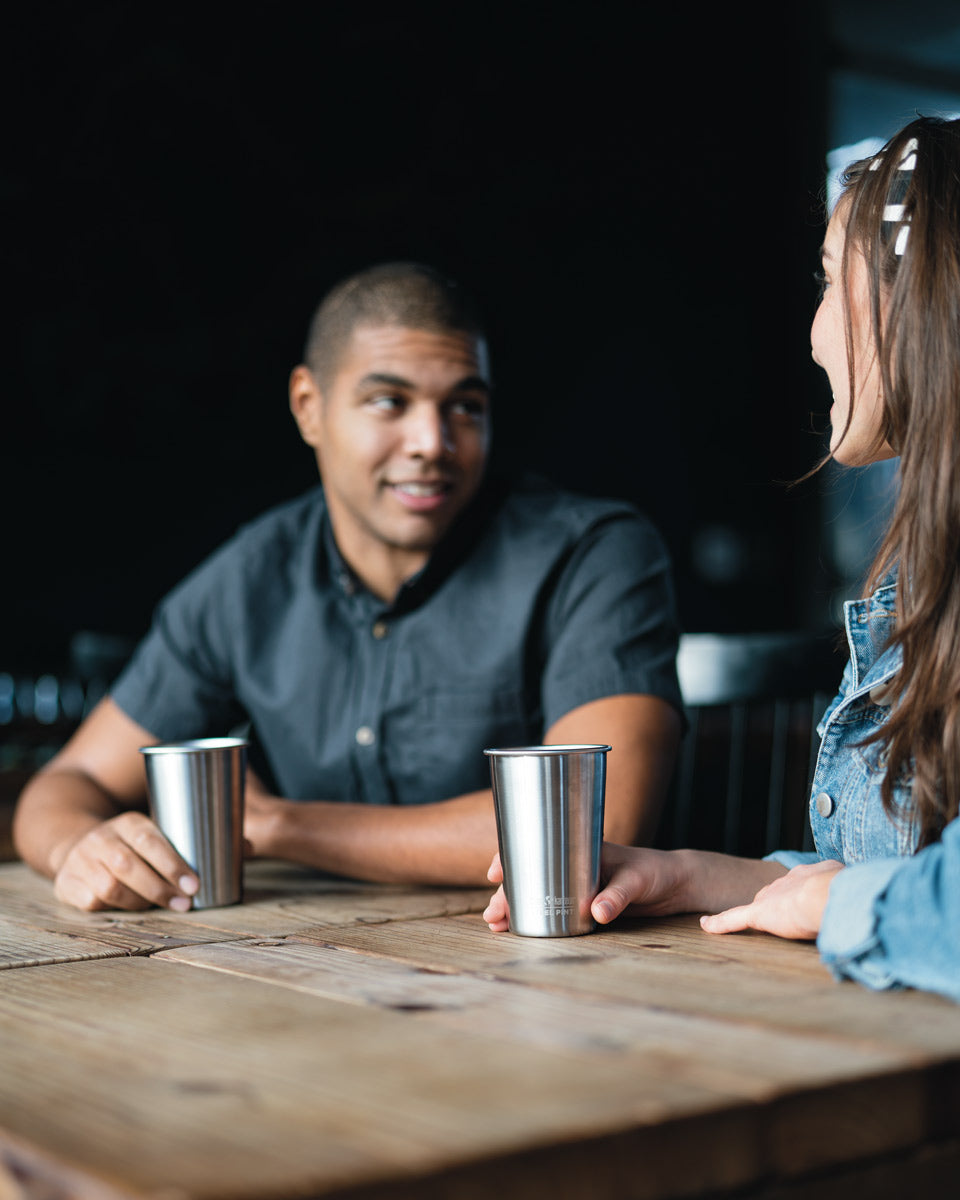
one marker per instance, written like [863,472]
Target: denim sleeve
[893,922]
[792,858]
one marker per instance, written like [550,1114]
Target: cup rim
[546,751]
[195,745]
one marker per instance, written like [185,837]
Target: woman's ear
[306,404]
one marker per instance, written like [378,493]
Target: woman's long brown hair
[915,318]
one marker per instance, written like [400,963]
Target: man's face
[401,435]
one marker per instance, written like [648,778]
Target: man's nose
[427,432]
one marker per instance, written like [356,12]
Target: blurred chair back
[39,711]
[753,704]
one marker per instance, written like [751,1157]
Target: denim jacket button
[824,804]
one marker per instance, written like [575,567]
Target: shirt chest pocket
[435,740]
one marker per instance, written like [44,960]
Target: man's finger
[123,880]
[126,863]
[146,841]
[94,890]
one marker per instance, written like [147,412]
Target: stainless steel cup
[549,806]
[196,798]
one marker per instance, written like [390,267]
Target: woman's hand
[497,913]
[790,907]
[639,881]
[648,882]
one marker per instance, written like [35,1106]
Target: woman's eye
[822,283]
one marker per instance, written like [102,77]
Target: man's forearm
[644,732]
[451,842]
[55,810]
[97,775]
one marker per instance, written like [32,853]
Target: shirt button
[824,804]
[365,736]
[379,629]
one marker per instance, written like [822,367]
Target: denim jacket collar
[869,624]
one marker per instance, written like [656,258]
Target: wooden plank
[27,1173]
[35,929]
[875,1101]
[280,898]
[733,1059]
[148,1074]
[430,1058]
[24,946]
[662,936]
[650,963]
[465,943]
[292,899]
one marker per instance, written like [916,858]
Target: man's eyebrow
[470,383]
[378,378]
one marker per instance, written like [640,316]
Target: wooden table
[339,1039]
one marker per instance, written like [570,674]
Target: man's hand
[125,862]
[80,821]
[261,814]
[791,906]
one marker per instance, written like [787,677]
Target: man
[376,634]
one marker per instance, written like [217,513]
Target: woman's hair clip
[895,215]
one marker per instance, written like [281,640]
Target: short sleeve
[611,625]
[179,682]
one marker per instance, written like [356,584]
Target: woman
[882,893]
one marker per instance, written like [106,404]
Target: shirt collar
[341,574]
[457,545]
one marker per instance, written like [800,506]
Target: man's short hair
[406,294]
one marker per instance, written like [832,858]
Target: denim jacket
[893,916]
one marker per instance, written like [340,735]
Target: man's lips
[421,495]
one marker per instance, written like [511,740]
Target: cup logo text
[558,906]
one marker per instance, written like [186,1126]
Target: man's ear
[306,404]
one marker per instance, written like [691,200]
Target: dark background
[632,195]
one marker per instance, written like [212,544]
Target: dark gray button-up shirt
[537,602]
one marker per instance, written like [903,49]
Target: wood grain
[279,899]
[340,1040]
[264,1090]
[651,963]
[733,1058]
